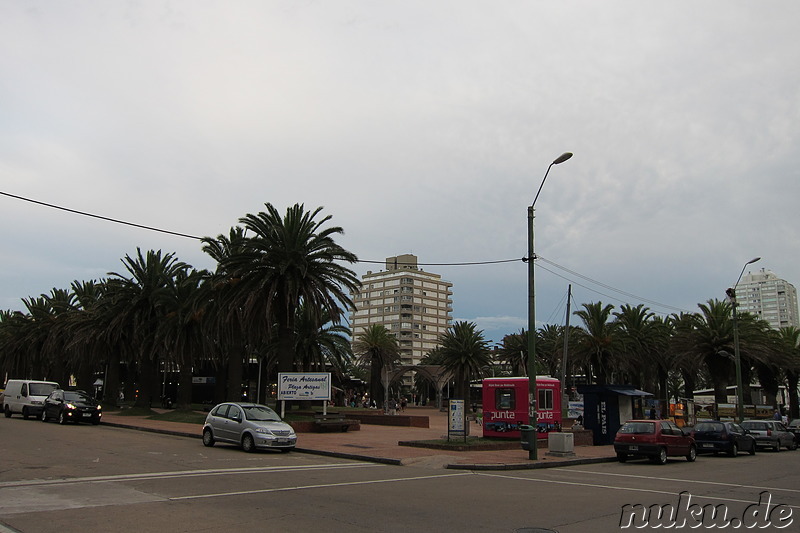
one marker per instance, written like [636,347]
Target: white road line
[612,487]
[320,486]
[185,473]
[699,482]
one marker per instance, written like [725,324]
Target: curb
[531,466]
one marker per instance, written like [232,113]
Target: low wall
[391,420]
[308,426]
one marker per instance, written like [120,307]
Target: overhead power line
[462,263]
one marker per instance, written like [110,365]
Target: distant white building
[414,305]
[769,298]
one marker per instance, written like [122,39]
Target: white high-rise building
[414,305]
[769,298]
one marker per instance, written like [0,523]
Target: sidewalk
[380,444]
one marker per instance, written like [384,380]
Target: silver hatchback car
[249,425]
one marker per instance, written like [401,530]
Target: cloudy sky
[421,127]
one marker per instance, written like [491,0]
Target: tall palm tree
[142,301]
[321,345]
[514,352]
[789,338]
[285,262]
[598,346]
[466,353]
[377,349]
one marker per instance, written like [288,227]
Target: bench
[331,422]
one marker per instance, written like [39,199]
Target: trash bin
[526,432]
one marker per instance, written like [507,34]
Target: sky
[420,127]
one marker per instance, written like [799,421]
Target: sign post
[456,420]
[304,386]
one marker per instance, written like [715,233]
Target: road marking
[320,486]
[613,487]
[700,482]
[184,473]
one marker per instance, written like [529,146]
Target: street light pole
[532,414]
[736,354]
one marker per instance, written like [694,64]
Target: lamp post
[736,354]
[532,415]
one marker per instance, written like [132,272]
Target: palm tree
[321,345]
[789,339]
[514,352]
[465,353]
[141,302]
[225,315]
[285,262]
[598,346]
[377,348]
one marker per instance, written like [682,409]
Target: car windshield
[754,425]
[73,396]
[260,413]
[41,389]
[638,428]
[708,426]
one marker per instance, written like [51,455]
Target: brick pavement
[380,444]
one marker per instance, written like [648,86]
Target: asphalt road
[97,478]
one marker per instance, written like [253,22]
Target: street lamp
[736,354]
[532,416]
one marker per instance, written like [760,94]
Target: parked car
[728,437]
[770,434]
[71,406]
[26,396]
[794,427]
[654,439]
[251,426]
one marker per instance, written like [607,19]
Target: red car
[654,439]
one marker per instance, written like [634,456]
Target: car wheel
[208,438]
[622,457]
[792,445]
[7,412]
[661,458]
[24,413]
[734,450]
[691,456]
[776,446]
[44,415]
[62,418]
[753,448]
[248,444]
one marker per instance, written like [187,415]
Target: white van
[26,396]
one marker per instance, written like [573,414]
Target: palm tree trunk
[792,379]
[111,382]
[184,400]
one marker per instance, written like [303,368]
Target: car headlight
[263,431]
[99,407]
[70,406]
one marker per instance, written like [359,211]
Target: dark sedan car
[794,427]
[728,437]
[71,406]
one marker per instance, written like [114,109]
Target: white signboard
[456,422]
[304,386]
